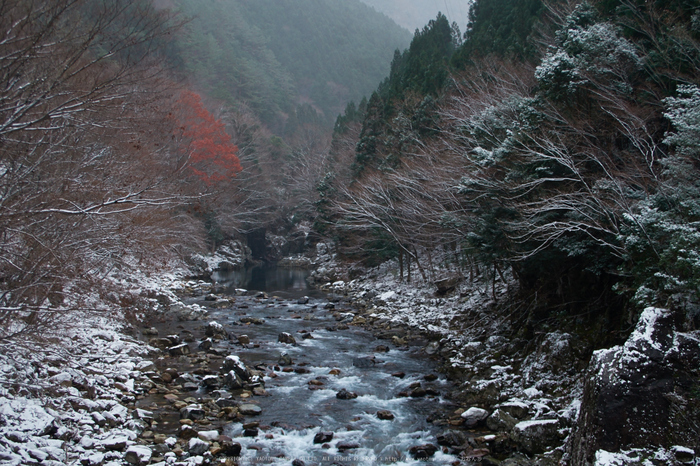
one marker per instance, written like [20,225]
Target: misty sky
[413,14]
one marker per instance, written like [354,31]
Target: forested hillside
[274,55]
[136,132]
[556,144]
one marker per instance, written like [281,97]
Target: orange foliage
[212,155]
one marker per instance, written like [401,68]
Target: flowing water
[337,357]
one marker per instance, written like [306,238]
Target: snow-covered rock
[197,446]
[138,455]
[536,436]
[474,416]
[639,395]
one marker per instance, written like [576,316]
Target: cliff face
[641,394]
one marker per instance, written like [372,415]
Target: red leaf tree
[211,154]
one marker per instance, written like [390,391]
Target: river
[329,356]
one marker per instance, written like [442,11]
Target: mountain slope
[274,55]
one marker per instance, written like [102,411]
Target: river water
[302,401]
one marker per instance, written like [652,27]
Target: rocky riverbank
[105,392]
[548,397]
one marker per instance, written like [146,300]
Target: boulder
[641,393]
[244,339]
[179,350]
[211,381]
[229,447]
[447,284]
[226,402]
[95,459]
[115,443]
[260,391]
[232,381]
[323,437]
[285,360]
[473,416]
[344,394]
[197,446]
[421,452]
[500,421]
[234,363]
[385,415]
[206,344]
[451,438]
[517,409]
[345,446]
[215,329]
[249,409]
[286,338]
[186,432]
[537,436]
[209,435]
[193,412]
[252,320]
[364,362]
[138,455]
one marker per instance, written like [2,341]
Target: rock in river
[249,409]
[421,452]
[364,362]
[323,437]
[344,394]
[285,360]
[286,338]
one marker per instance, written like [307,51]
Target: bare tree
[89,177]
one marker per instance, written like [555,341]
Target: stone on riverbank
[473,416]
[179,350]
[536,436]
[197,446]
[138,455]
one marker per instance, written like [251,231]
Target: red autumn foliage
[212,155]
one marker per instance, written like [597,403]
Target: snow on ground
[642,457]
[67,397]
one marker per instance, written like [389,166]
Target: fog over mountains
[414,14]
